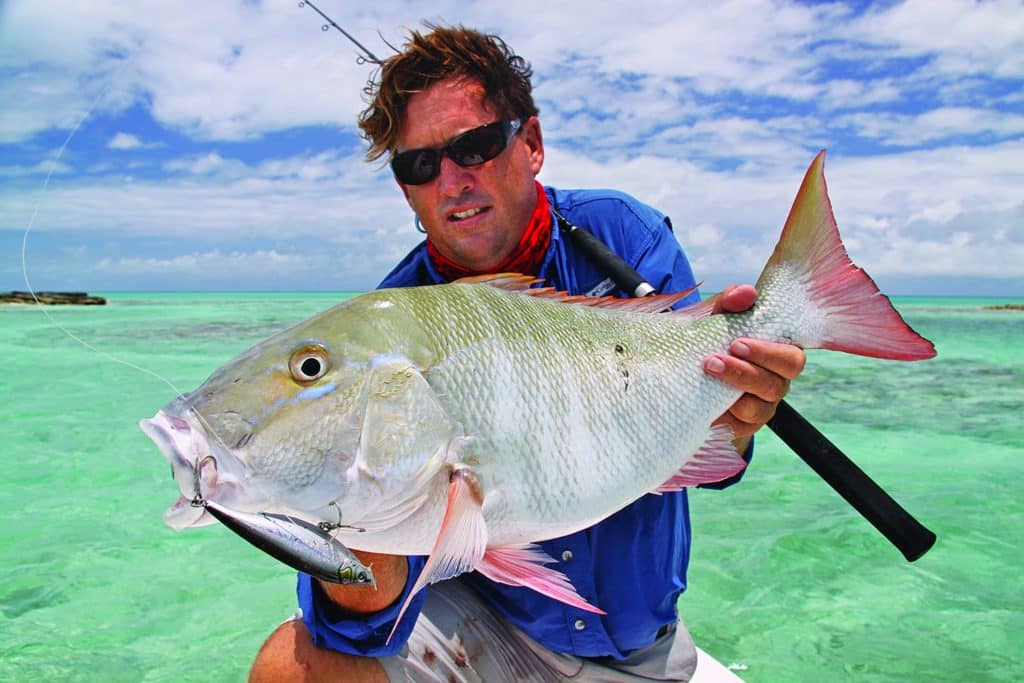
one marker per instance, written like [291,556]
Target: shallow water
[787,582]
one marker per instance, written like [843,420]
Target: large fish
[465,421]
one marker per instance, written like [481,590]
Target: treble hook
[328,527]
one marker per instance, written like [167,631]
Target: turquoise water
[787,582]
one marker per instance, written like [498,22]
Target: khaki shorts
[459,638]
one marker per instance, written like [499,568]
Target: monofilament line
[24,260]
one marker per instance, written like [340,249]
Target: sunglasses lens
[417,166]
[478,146]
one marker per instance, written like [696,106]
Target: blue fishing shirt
[632,564]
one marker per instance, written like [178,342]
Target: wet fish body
[466,421]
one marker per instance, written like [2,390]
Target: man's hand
[760,369]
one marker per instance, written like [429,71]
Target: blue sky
[216,147]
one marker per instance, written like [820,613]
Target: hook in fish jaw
[197,475]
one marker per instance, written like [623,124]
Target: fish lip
[202,470]
[169,434]
[159,430]
[174,436]
[187,512]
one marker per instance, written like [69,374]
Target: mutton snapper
[465,421]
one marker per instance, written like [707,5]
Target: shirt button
[579,624]
[566,555]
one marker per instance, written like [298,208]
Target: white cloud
[41,169]
[963,37]
[936,125]
[216,263]
[125,141]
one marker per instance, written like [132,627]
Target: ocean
[787,582]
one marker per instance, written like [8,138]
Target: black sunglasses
[472,148]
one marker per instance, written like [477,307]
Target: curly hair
[445,52]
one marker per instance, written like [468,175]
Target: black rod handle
[849,481]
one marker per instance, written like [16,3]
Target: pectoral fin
[716,460]
[462,541]
[406,440]
[523,565]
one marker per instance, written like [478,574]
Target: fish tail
[837,305]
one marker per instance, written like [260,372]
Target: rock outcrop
[52,298]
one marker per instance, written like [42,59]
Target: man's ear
[535,142]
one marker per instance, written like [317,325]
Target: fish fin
[513,282]
[846,312]
[523,565]
[462,540]
[697,311]
[523,284]
[402,414]
[715,460]
[654,303]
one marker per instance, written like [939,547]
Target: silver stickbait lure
[301,545]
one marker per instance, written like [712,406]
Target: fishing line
[24,259]
[42,308]
[213,434]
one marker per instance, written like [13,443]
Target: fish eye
[309,364]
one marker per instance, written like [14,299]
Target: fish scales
[576,396]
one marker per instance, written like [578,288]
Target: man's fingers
[747,415]
[761,370]
[753,411]
[784,360]
[734,299]
[747,377]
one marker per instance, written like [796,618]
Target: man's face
[474,216]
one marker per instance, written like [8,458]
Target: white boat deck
[710,670]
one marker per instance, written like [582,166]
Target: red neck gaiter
[526,258]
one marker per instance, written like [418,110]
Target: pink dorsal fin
[523,565]
[462,540]
[715,460]
[697,311]
[515,282]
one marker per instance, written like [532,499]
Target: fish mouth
[207,475]
[201,472]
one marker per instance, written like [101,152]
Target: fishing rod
[369,56]
[826,459]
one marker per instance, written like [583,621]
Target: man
[455,114]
